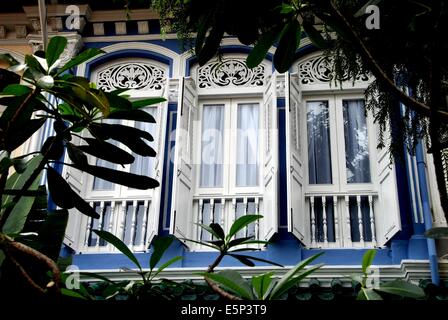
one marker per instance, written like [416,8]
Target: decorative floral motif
[318,70]
[230,72]
[132,76]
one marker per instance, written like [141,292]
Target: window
[228,159]
[234,166]
[130,214]
[342,191]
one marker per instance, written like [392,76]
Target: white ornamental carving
[318,70]
[230,72]
[138,76]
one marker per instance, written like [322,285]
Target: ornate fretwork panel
[137,76]
[317,69]
[230,73]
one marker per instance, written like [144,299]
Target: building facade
[296,148]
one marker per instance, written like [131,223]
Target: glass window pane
[356,142]
[212,150]
[319,155]
[247,146]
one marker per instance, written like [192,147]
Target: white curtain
[319,155]
[212,151]
[247,145]
[356,142]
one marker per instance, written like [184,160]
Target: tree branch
[213,285]
[382,76]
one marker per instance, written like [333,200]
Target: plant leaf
[315,36]
[136,115]
[127,179]
[72,293]
[261,48]
[165,265]
[368,259]
[262,284]
[146,102]
[107,151]
[55,48]
[240,223]
[243,260]
[80,58]
[291,273]
[118,244]
[232,281]
[219,232]
[160,245]
[285,54]
[64,197]
[262,260]
[402,288]
[368,294]
[279,290]
[17,217]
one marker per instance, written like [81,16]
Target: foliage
[264,287]
[226,245]
[26,92]
[138,289]
[370,292]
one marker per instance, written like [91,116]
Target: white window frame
[337,147]
[229,187]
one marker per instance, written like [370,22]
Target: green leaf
[53,148]
[239,241]
[166,264]
[130,180]
[19,213]
[437,233]
[368,259]
[107,151]
[16,90]
[315,36]
[160,245]
[64,197]
[136,115]
[219,232]
[279,290]
[291,273]
[261,48]
[202,243]
[18,137]
[55,48]
[240,223]
[209,230]
[76,154]
[9,59]
[285,54]
[243,260]
[80,58]
[402,288]
[262,285]
[95,275]
[286,8]
[211,44]
[257,259]
[118,244]
[8,78]
[232,281]
[72,293]
[368,294]
[146,102]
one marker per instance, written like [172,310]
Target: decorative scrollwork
[318,70]
[230,72]
[137,76]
